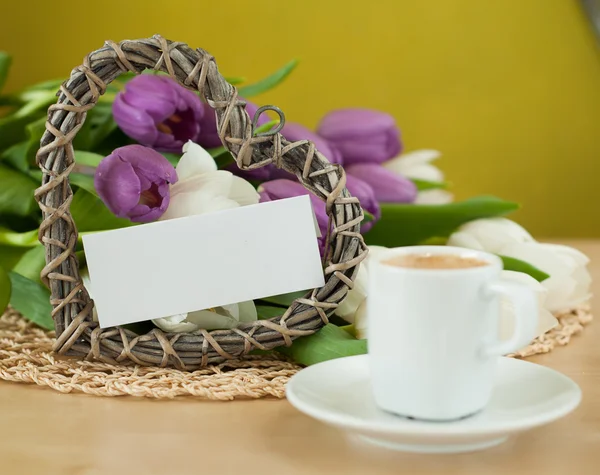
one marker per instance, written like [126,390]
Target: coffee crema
[434,261]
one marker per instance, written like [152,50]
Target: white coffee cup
[433,332]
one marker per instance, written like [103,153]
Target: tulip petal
[546,321]
[464,239]
[196,203]
[364,122]
[355,296]
[561,284]
[135,122]
[208,136]
[194,161]
[360,321]
[175,324]
[144,214]
[543,258]
[409,160]
[157,111]
[295,132]
[209,320]
[118,185]
[148,162]
[361,135]
[157,106]
[579,257]
[242,192]
[247,312]
[434,197]
[388,186]
[365,194]
[419,172]
[215,183]
[493,234]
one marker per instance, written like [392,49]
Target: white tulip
[546,321]
[569,281]
[417,165]
[227,316]
[356,297]
[203,188]
[87,283]
[490,235]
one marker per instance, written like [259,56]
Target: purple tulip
[158,112]
[209,138]
[365,194]
[389,187]
[361,135]
[280,189]
[295,132]
[133,182]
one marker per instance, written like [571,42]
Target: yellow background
[508,90]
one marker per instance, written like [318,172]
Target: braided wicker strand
[76,332]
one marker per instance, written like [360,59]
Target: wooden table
[45,432]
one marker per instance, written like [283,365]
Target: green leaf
[91,214]
[5,61]
[173,158]
[368,217]
[16,192]
[11,238]
[266,127]
[20,224]
[409,224]
[217,151]
[35,130]
[265,312]
[10,255]
[234,80]
[510,263]
[32,300]
[99,124]
[31,263]
[284,300]
[50,85]
[10,100]
[88,159]
[424,185]
[269,82]
[5,287]
[33,103]
[83,181]
[12,127]
[17,156]
[222,157]
[329,343]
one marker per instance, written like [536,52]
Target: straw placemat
[26,356]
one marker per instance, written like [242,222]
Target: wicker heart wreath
[76,332]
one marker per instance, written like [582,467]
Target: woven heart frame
[76,332]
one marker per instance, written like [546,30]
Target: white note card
[182,265]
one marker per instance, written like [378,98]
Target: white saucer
[526,395]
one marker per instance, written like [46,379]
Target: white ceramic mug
[433,333]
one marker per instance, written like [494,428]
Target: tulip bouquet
[150,151]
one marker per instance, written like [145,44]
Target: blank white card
[177,266]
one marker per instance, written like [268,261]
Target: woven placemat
[26,356]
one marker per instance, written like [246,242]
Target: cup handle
[526,317]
